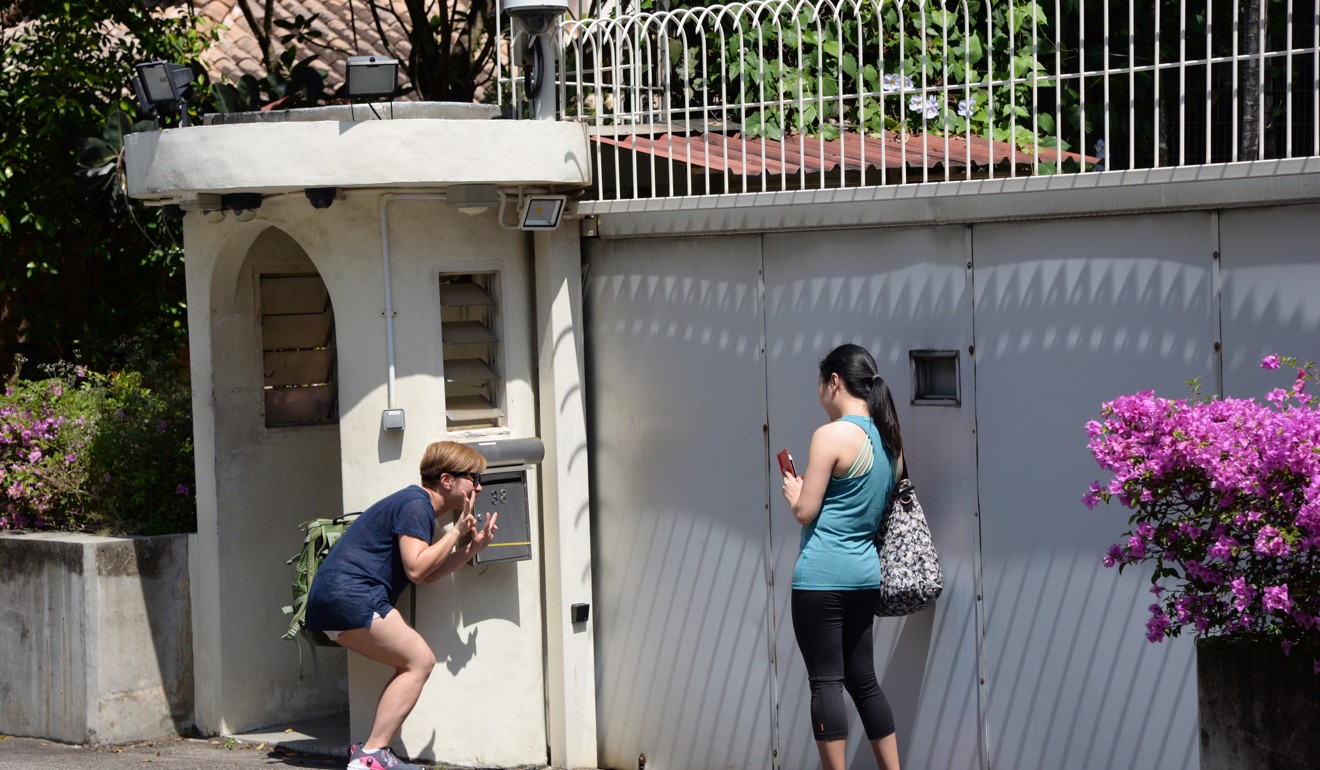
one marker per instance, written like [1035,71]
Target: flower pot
[1258,707]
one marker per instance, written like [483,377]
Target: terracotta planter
[1258,707]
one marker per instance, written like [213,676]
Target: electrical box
[505,492]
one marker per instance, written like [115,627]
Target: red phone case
[786,463]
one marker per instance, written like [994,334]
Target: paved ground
[163,754]
[321,744]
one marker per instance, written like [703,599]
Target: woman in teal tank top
[839,501]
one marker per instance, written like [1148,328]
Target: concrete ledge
[269,158]
[95,637]
[356,112]
[1189,188]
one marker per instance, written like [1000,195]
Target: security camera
[536,16]
[321,197]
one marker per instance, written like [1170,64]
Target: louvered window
[469,317]
[298,351]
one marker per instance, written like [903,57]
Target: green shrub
[107,453]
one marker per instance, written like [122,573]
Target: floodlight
[542,212]
[372,77]
[163,88]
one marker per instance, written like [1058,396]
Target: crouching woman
[391,545]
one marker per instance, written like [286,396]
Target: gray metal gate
[703,355]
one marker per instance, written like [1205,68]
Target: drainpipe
[385,267]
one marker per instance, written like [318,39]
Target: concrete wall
[256,484]
[259,485]
[95,637]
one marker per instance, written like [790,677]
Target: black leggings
[833,631]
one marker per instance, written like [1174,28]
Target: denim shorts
[343,604]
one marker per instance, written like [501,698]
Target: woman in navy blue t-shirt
[388,547]
[839,502]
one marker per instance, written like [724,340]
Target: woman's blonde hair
[449,457]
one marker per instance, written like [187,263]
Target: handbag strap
[900,473]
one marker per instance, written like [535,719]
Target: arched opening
[276,465]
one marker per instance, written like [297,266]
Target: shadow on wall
[164,581]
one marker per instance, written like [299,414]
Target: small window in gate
[935,377]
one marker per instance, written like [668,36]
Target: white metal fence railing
[778,95]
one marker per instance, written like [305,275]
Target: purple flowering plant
[80,450]
[1225,495]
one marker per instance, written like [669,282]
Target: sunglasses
[476,477]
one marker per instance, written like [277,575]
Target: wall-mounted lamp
[372,77]
[472,199]
[542,212]
[164,88]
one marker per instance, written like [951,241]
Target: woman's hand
[467,520]
[482,537]
[791,489]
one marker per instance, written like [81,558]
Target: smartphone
[786,463]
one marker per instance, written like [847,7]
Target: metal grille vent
[469,315]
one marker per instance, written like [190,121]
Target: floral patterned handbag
[910,576]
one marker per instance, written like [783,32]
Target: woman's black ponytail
[857,369]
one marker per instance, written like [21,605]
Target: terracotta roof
[850,152]
[347,29]
[714,162]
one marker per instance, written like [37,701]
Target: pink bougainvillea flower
[1270,362]
[1157,625]
[1276,599]
[1114,555]
[1269,542]
[1243,592]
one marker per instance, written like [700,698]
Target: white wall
[255,487]
[484,624]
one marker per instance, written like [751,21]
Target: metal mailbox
[504,491]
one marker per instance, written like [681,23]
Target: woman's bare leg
[833,754]
[390,640]
[886,752]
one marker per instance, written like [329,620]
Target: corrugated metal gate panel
[676,377]
[1070,314]
[679,390]
[892,291]
[1271,267]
